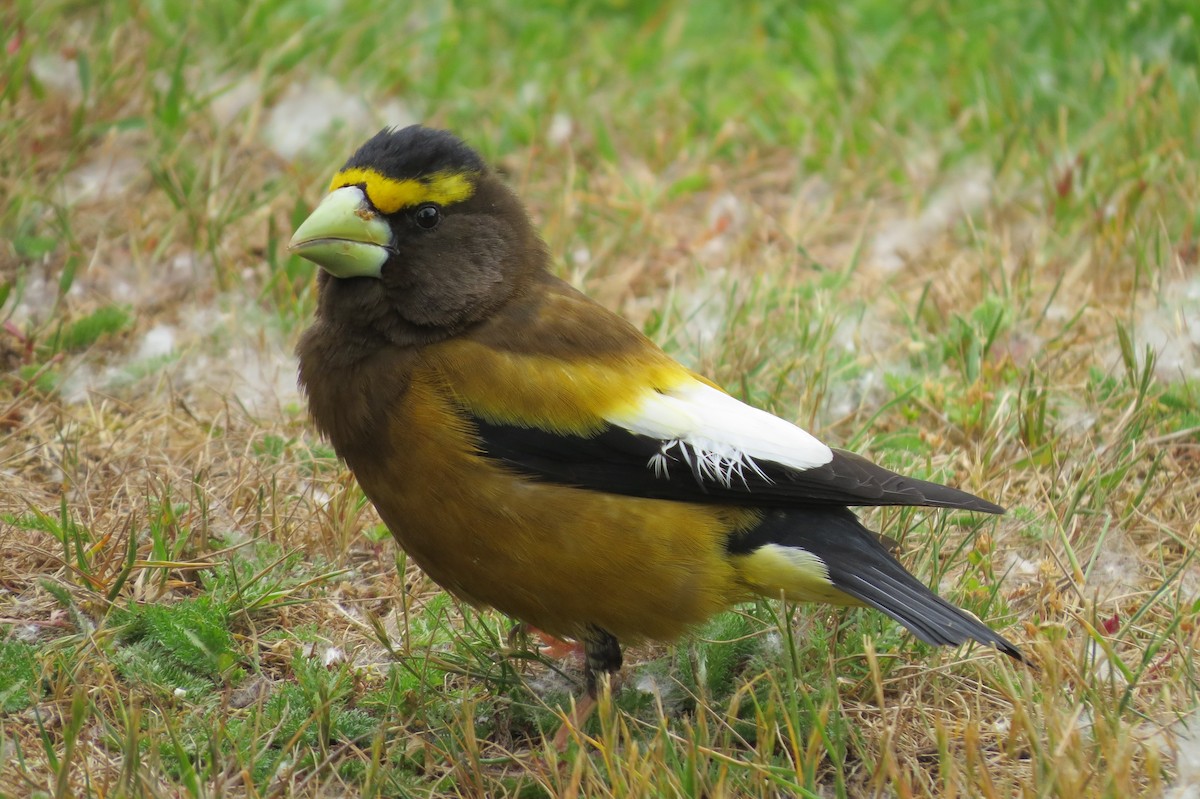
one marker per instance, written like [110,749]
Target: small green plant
[18,676]
[184,645]
[84,332]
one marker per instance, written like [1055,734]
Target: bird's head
[417,238]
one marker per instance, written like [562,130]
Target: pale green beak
[344,235]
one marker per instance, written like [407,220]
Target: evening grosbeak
[535,453]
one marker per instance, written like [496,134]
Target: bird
[536,453]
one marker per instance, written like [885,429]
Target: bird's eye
[427,216]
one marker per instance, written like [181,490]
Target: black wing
[622,462]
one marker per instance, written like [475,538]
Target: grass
[959,239]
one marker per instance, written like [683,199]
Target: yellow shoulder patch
[390,195]
[552,394]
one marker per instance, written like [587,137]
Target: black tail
[867,483]
[860,566]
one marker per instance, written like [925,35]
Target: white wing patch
[718,437]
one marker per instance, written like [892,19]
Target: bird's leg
[548,645]
[602,655]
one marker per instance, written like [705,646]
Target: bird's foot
[572,726]
[550,646]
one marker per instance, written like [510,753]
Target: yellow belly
[558,557]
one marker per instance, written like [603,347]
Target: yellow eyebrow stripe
[390,195]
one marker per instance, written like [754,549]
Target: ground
[962,242]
